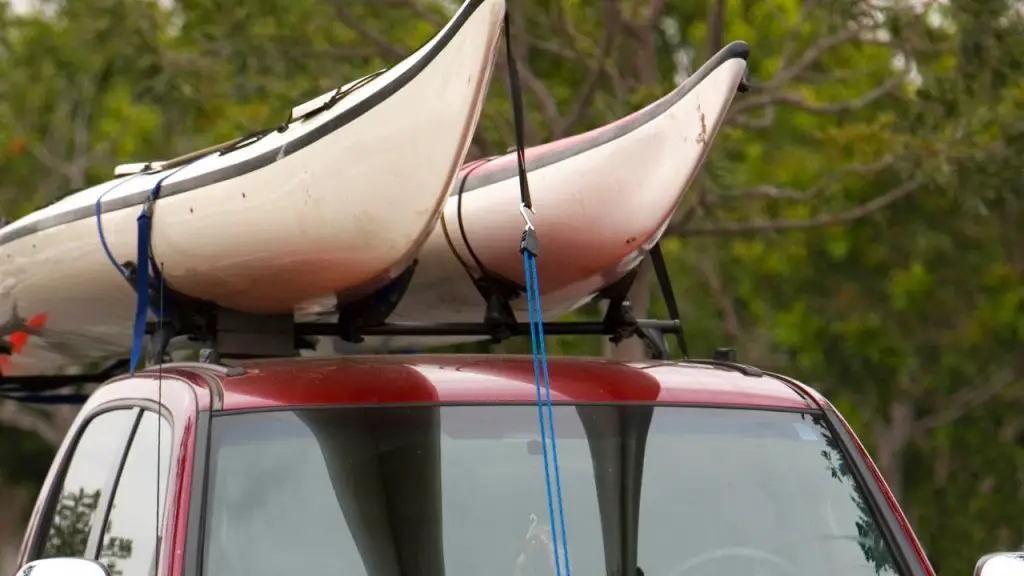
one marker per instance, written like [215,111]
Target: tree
[72,523]
[857,224]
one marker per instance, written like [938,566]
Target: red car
[431,465]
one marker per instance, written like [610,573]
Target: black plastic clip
[373,309]
[529,243]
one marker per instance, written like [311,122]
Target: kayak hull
[305,211]
[602,200]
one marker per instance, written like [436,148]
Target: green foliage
[69,532]
[910,317]
[32,454]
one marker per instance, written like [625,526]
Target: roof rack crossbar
[46,399]
[199,321]
[441,329]
[35,388]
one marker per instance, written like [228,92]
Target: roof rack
[227,333]
[40,389]
[223,333]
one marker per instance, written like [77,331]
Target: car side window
[93,461]
[130,540]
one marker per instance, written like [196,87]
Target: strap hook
[526,211]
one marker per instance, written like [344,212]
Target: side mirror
[63,567]
[1000,564]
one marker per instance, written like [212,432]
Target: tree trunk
[890,439]
[16,501]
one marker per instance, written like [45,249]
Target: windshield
[460,491]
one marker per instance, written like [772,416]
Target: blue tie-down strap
[141,286]
[144,267]
[99,225]
[529,246]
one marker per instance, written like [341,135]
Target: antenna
[159,428]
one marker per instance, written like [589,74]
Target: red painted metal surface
[386,380]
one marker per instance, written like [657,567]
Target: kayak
[602,200]
[337,200]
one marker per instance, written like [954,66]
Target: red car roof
[418,378]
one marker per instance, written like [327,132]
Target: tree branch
[684,219]
[655,10]
[746,228]
[766,120]
[423,11]
[348,19]
[777,192]
[793,99]
[613,25]
[808,59]
[716,27]
[960,403]
[520,49]
[787,45]
[710,269]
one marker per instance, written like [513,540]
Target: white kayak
[602,200]
[337,201]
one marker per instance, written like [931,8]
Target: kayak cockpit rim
[737,50]
[429,52]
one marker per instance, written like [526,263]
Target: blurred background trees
[859,224]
